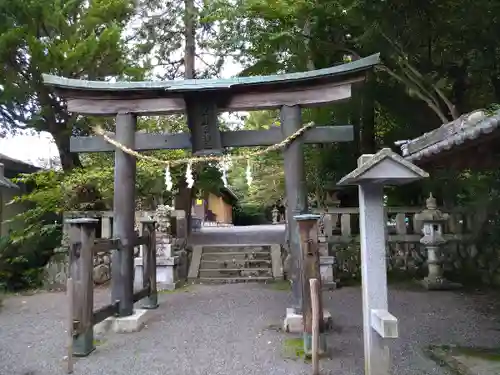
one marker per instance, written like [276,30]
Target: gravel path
[228,330]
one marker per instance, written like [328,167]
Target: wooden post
[122,266]
[149,264]
[82,237]
[316,314]
[69,294]
[296,194]
[308,234]
[401,248]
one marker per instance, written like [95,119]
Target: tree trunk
[69,160]
[460,86]
[190,33]
[184,200]
[495,81]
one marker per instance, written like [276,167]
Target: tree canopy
[440,59]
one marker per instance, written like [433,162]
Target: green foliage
[441,59]
[248,214]
[75,39]
[21,262]
[435,68]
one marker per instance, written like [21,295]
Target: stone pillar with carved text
[166,261]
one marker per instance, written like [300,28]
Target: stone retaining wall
[463,259]
[56,271]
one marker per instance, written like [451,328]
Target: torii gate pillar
[296,195]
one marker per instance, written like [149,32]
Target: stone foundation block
[126,324]
[293,321]
[132,323]
[100,329]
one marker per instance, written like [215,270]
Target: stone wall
[463,259]
[56,271]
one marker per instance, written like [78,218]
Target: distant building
[10,168]
[215,207]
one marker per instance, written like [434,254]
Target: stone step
[213,264]
[235,249]
[229,280]
[235,269]
[236,272]
[236,255]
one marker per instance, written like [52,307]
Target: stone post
[163,238]
[433,219]
[373,172]
[166,261]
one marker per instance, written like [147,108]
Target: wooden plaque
[202,122]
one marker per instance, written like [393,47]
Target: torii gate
[202,100]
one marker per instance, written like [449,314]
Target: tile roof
[466,128]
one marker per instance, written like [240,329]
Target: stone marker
[373,172]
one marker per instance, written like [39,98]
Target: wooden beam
[240,138]
[102,106]
[310,96]
[305,97]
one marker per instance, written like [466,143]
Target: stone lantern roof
[431,212]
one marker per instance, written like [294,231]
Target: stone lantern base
[439,283]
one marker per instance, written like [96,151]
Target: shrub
[22,262]
[248,215]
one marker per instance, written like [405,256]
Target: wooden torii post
[202,100]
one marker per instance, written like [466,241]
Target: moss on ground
[183,288]
[281,285]
[98,342]
[483,353]
[450,356]
[293,348]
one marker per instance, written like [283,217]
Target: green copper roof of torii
[337,71]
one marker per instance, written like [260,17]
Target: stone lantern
[433,219]
[275,212]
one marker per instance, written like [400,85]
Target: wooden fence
[83,244]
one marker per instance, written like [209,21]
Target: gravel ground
[228,330]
